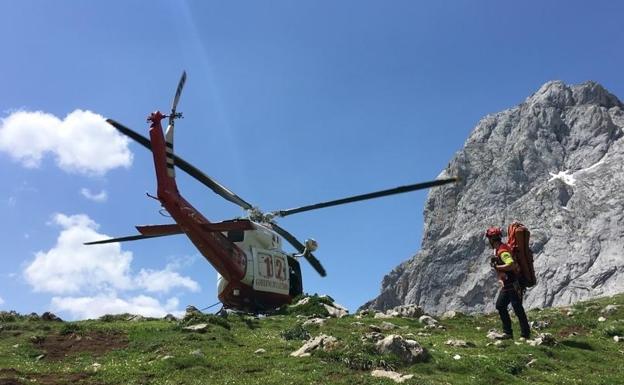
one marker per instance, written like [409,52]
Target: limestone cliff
[556,164]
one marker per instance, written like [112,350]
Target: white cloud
[164,280]
[73,268]
[97,306]
[82,142]
[100,197]
[1,301]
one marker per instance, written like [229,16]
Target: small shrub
[197,318]
[514,367]
[6,316]
[314,306]
[115,317]
[296,333]
[70,328]
[186,362]
[611,331]
[358,357]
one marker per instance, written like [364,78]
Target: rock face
[553,163]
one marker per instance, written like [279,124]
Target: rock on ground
[394,376]
[409,351]
[322,341]
[608,310]
[336,310]
[48,316]
[314,322]
[459,343]
[199,328]
[428,320]
[496,335]
[546,339]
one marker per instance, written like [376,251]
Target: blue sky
[286,103]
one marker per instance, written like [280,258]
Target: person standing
[510,291]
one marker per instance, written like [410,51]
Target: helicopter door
[271,272]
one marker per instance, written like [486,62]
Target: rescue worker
[510,291]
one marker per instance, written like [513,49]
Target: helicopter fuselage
[254,272]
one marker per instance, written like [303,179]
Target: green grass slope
[115,351]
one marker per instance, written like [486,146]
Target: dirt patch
[14,377]
[61,379]
[59,346]
[9,377]
[573,330]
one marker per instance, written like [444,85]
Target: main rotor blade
[356,198]
[176,98]
[186,167]
[126,239]
[316,264]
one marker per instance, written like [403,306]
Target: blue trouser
[505,296]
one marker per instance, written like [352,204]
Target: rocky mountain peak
[554,163]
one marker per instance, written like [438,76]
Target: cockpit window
[236,235]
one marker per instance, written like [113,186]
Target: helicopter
[255,274]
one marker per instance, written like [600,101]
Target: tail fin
[163,156]
[169,149]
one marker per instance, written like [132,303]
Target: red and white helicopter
[255,274]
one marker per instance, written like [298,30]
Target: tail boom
[227,258]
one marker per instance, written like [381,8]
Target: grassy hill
[113,350]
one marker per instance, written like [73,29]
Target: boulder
[325,342]
[336,310]
[314,322]
[373,337]
[539,325]
[546,339]
[394,376]
[191,311]
[409,351]
[48,316]
[301,302]
[33,317]
[170,318]
[460,343]
[198,328]
[387,326]
[609,309]
[428,320]
[494,334]
[405,311]
[450,314]
[260,351]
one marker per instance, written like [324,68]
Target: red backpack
[518,240]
